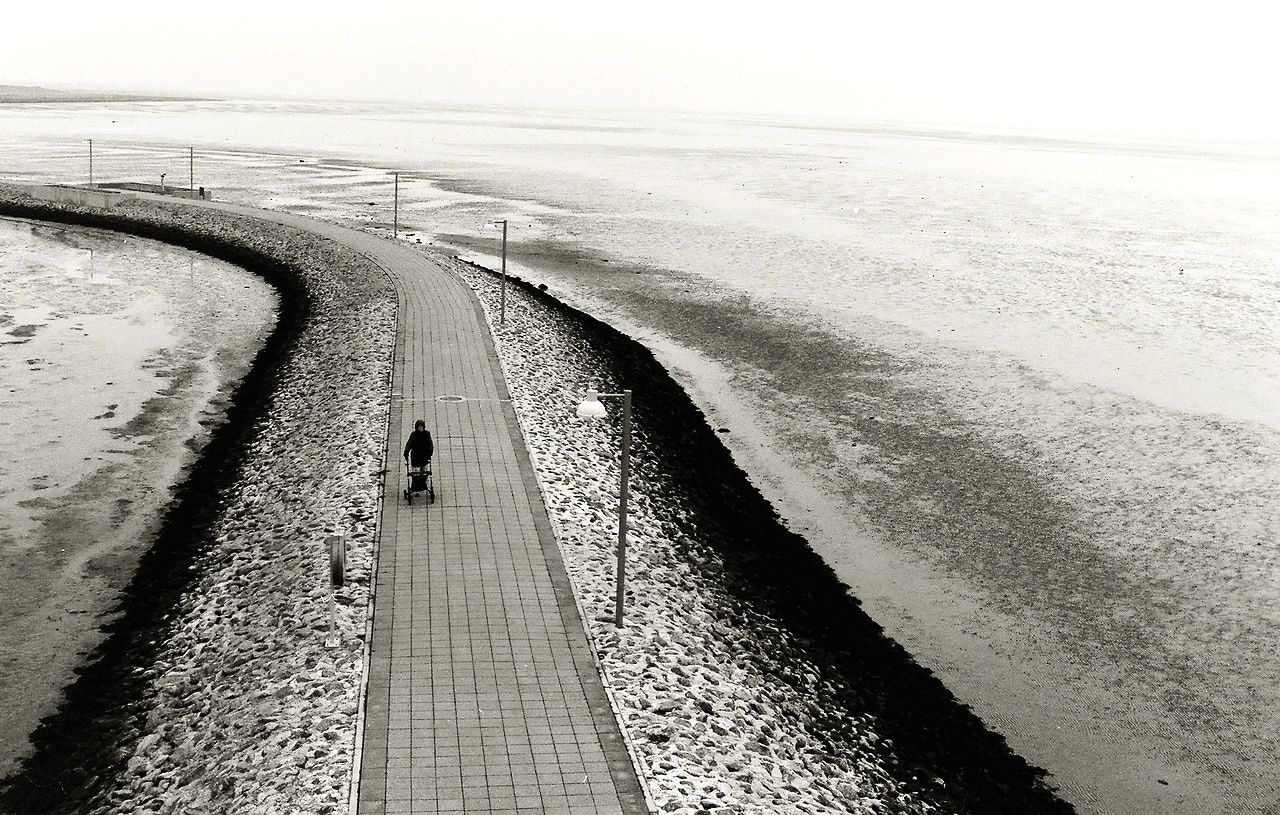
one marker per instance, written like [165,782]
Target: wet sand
[118,356]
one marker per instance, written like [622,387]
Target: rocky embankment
[213,690]
[747,678]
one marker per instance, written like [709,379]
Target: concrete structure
[84,196]
[198,194]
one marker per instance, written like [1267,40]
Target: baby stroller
[419,479]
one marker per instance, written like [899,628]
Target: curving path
[482,693]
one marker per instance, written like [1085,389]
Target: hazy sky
[1159,67]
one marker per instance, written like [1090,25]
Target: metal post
[337,579]
[332,640]
[395,208]
[337,561]
[502,309]
[90,162]
[191,156]
[622,506]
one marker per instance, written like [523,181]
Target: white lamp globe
[591,407]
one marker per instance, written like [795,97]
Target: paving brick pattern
[482,695]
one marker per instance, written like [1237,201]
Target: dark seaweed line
[775,572]
[86,742]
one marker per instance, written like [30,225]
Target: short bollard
[337,579]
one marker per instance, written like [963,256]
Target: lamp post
[502,297]
[90,162]
[592,408]
[395,207]
[191,179]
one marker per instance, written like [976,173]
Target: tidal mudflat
[117,355]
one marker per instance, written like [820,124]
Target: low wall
[78,195]
[198,194]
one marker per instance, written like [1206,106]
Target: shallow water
[1023,392]
[116,357]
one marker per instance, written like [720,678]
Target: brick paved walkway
[482,695]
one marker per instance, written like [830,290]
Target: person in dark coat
[419,449]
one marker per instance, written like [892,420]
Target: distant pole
[502,310]
[395,208]
[90,162]
[191,156]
